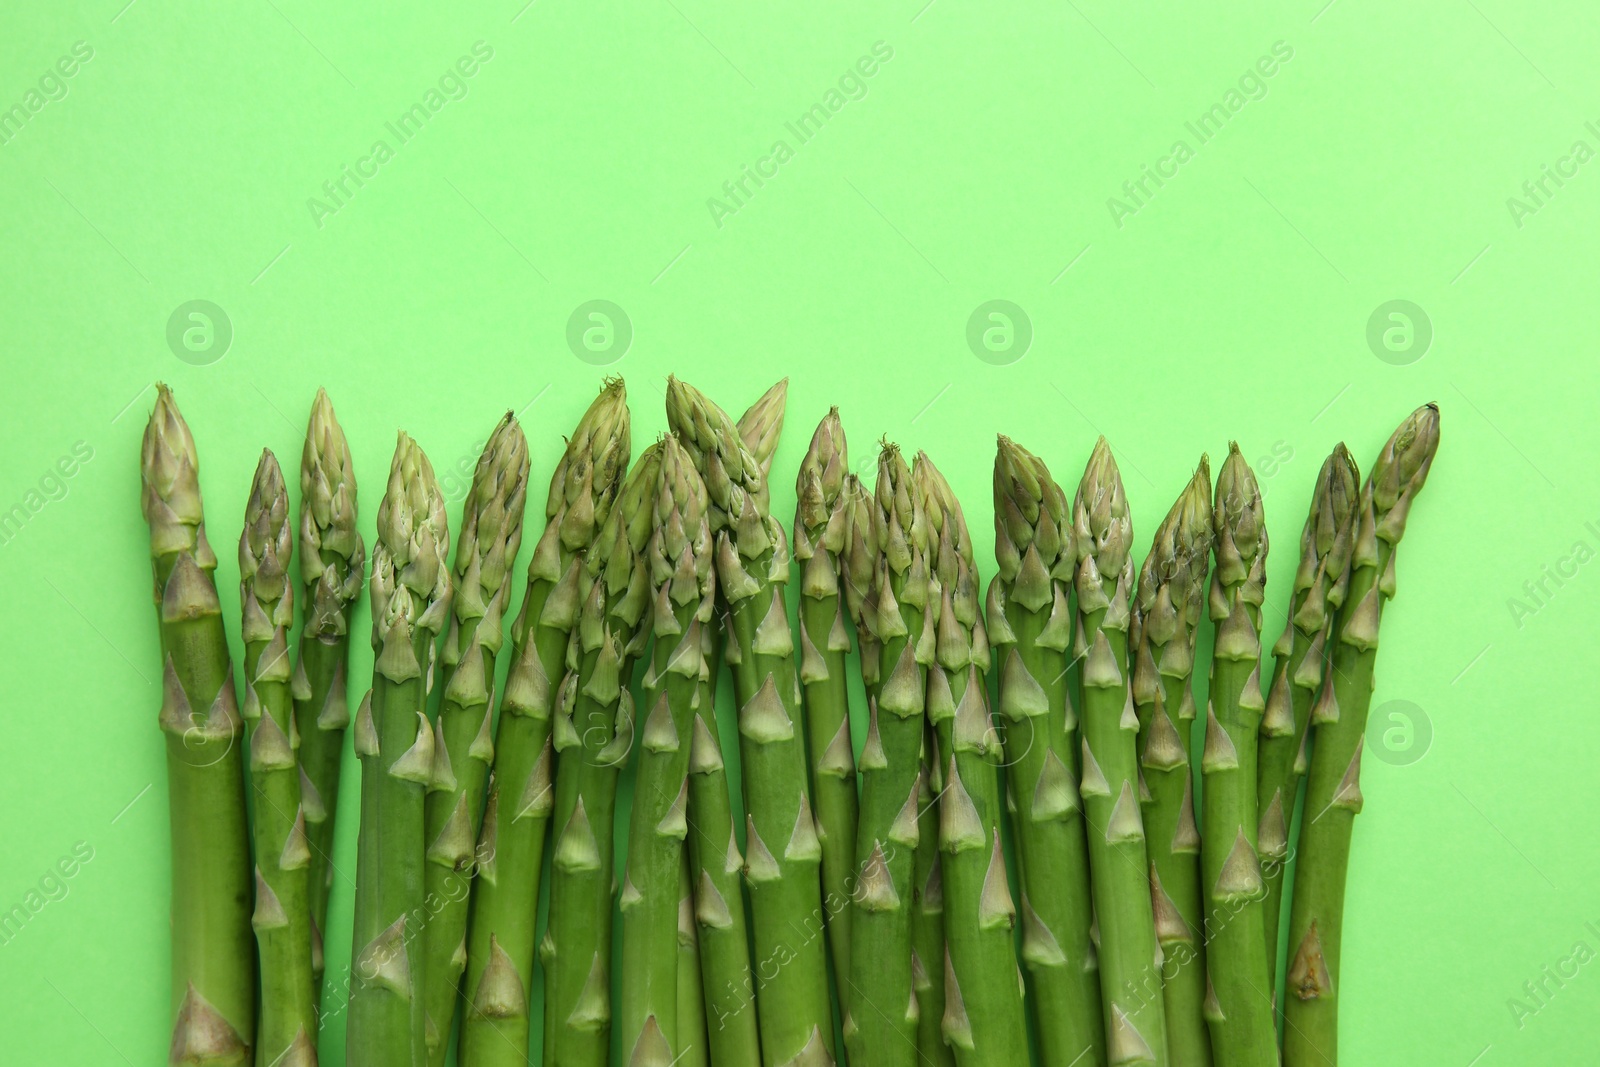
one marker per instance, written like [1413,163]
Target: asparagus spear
[691,989]
[683,593]
[213,966]
[760,428]
[1240,1008]
[715,869]
[1319,589]
[332,564]
[881,1011]
[411,593]
[505,895]
[282,919]
[927,915]
[983,1018]
[782,851]
[1166,617]
[593,735]
[1030,623]
[1333,788]
[491,533]
[820,523]
[858,565]
[1130,957]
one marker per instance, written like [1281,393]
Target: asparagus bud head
[331,551]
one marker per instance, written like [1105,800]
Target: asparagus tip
[266,541]
[761,425]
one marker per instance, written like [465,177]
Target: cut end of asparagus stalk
[332,555]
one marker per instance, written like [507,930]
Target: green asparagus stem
[983,1017]
[716,869]
[820,524]
[332,565]
[1333,788]
[783,853]
[927,915]
[491,533]
[593,735]
[411,592]
[282,920]
[858,565]
[691,989]
[1030,623]
[881,1010]
[715,866]
[1320,584]
[1166,616]
[1240,1009]
[1130,957]
[683,592]
[213,964]
[505,895]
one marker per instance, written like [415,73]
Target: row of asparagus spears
[869,872]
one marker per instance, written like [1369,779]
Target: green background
[1233,304]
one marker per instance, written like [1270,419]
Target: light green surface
[977,167]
